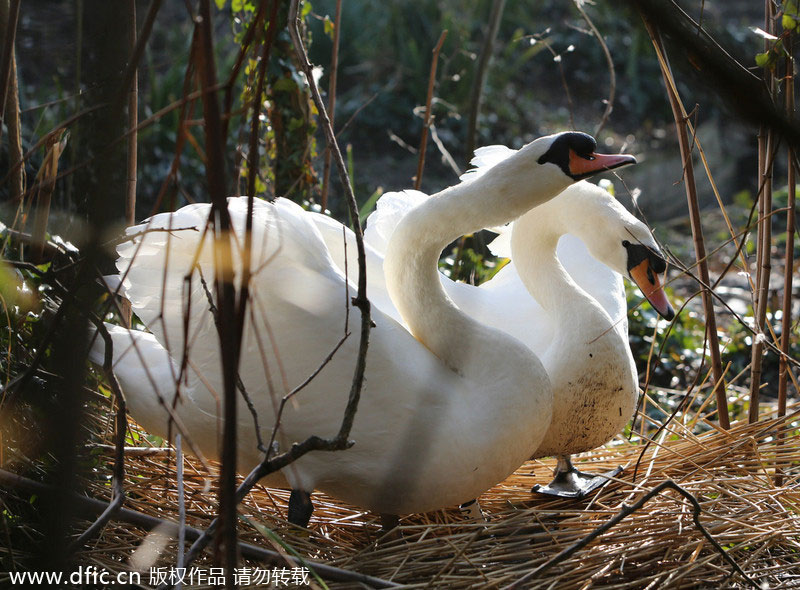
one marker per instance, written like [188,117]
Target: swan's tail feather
[141,351]
[97,350]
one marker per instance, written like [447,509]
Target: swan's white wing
[340,239]
[417,447]
[157,261]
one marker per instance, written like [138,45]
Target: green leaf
[284,85]
[791,14]
[327,25]
[369,205]
[220,4]
[764,60]
[237,5]
[260,186]
[14,291]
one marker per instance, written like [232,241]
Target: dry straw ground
[732,475]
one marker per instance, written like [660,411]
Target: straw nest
[731,474]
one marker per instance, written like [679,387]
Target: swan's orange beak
[584,166]
[649,283]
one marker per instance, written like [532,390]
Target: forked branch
[625,512]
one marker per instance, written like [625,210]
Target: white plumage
[445,413]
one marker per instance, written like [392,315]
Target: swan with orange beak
[644,267]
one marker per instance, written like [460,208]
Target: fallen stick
[90,507]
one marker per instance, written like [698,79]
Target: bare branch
[788,268]
[679,114]
[91,506]
[627,511]
[360,301]
[423,142]
[326,170]
[7,55]
[230,337]
[476,96]
[121,426]
[612,83]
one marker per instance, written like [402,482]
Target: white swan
[575,321]
[445,413]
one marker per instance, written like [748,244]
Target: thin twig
[360,301]
[255,123]
[766,146]
[134,451]
[121,426]
[244,48]
[447,157]
[229,337]
[138,49]
[133,137]
[248,400]
[788,268]
[91,506]
[133,121]
[7,55]
[498,6]
[252,170]
[181,505]
[423,142]
[326,171]
[623,513]
[612,83]
[10,115]
[186,107]
[299,388]
[680,117]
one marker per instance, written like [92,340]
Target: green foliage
[386,64]
[287,142]
[791,15]
[470,262]
[790,20]
[369,205]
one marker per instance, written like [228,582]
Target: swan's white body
[445,413]
[565,304]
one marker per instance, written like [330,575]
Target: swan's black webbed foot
[300,508]
[388,522]
[389,531]
[569,482]
[472,510]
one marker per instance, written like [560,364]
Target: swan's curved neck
[534,240]
[411,264]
